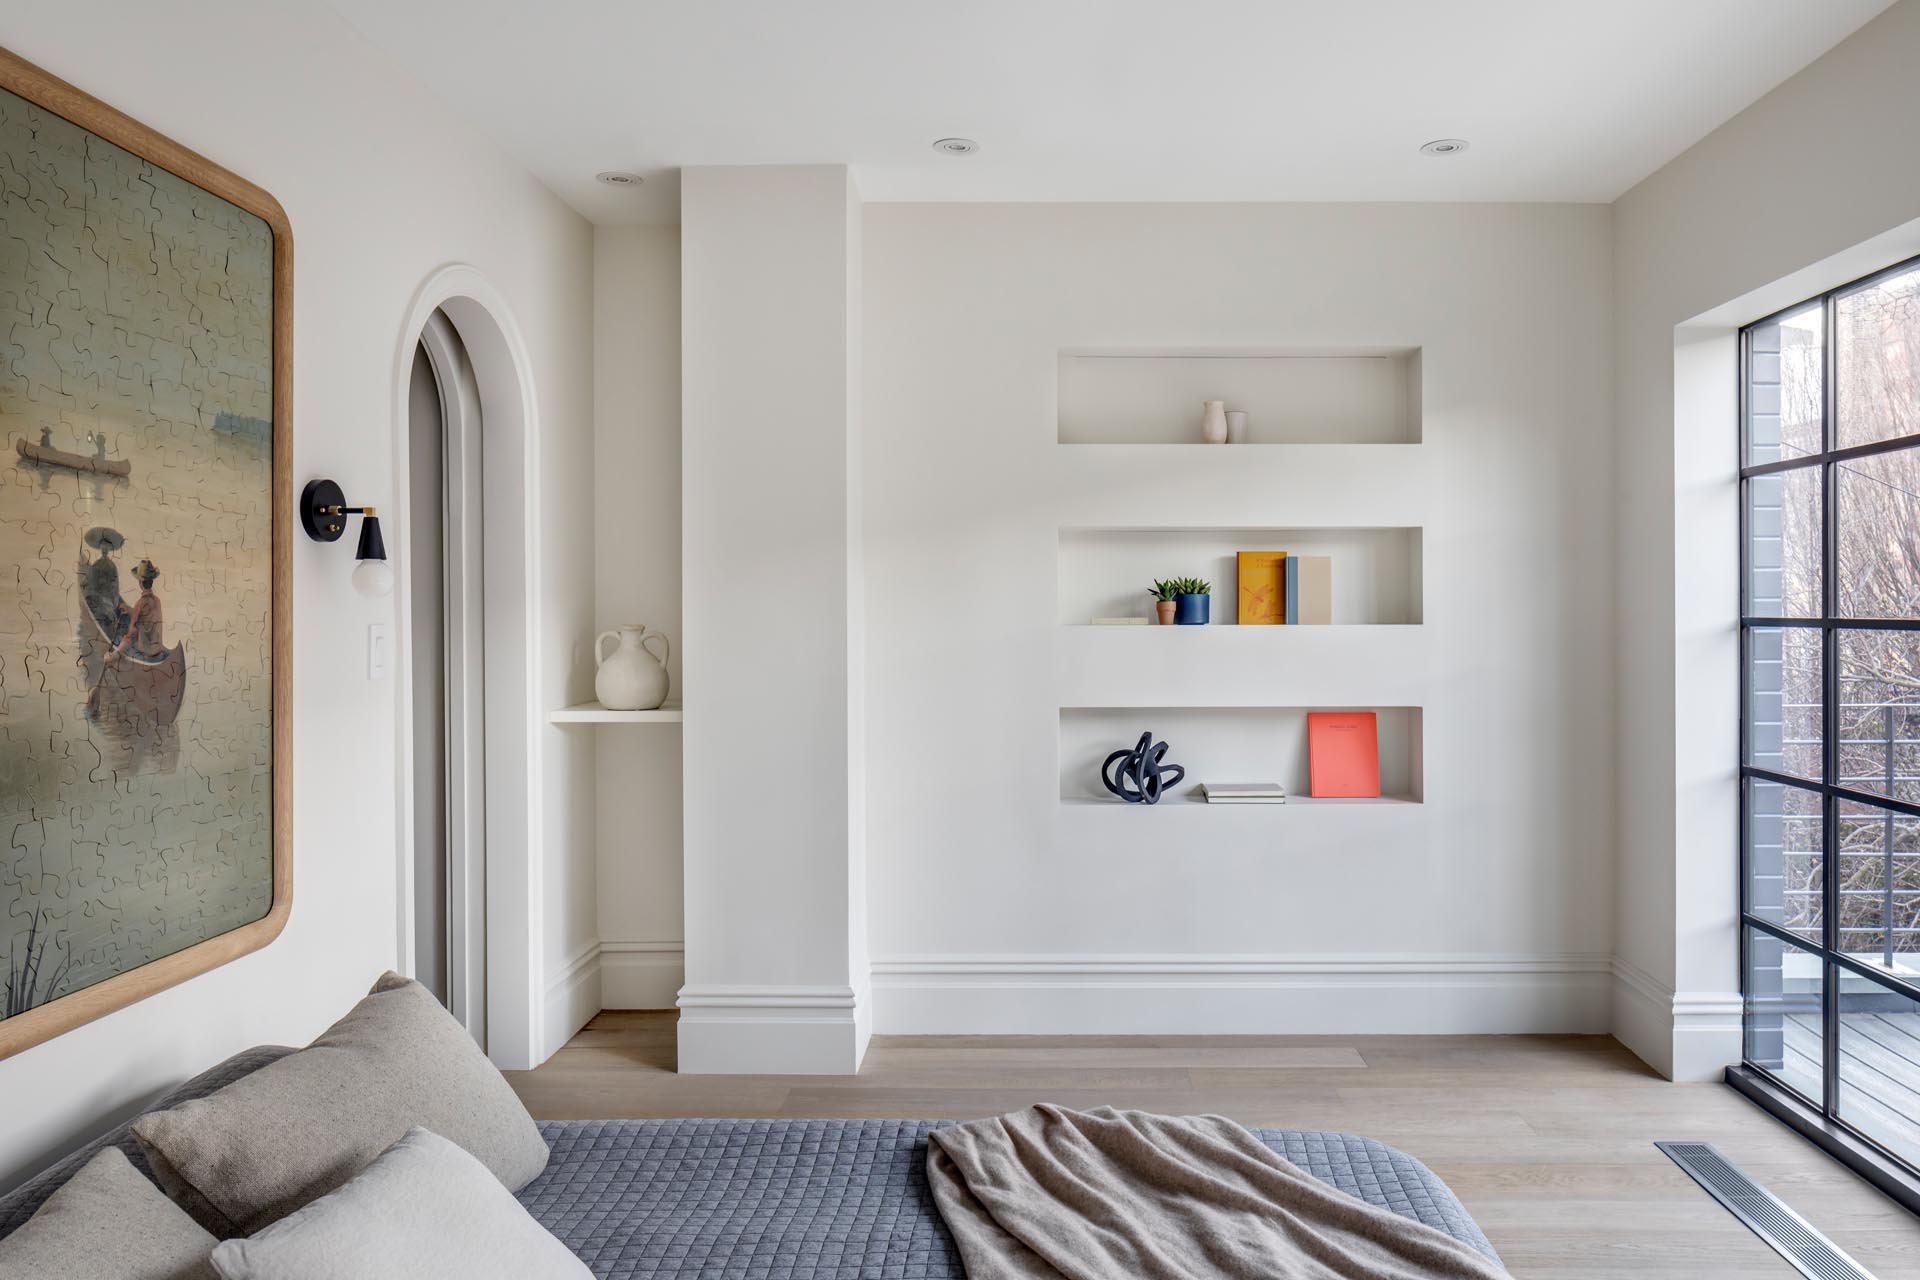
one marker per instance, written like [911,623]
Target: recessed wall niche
[1230,744]
[1107,572]
[1359,395]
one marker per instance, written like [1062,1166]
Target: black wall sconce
[323,514]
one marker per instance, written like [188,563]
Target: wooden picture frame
[42,1021]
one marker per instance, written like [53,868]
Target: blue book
[1292,591]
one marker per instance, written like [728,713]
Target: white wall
[636,544]
[995,906]
[382,186]
[1811,186]
[774,871]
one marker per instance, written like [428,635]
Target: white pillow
[423,1210]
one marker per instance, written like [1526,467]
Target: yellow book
[1263,587]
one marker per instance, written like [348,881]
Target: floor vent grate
[1811,1253]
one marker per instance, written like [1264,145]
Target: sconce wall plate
[323,511]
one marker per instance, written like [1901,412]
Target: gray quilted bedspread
[786,1199]
[835,1199]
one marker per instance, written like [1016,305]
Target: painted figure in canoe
[133,678]
[97,462]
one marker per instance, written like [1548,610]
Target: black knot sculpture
[1137,776]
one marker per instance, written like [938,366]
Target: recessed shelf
[1219,628]
[1352,395]
[1105,573]
[1191,800]
[594,713]
[1225,666]
[1232,744]
[1298,486]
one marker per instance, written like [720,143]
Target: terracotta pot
[1165,609]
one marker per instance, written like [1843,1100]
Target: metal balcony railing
[1886,936]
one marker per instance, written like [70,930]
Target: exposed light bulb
[373,578]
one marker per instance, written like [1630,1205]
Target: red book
[1343,753]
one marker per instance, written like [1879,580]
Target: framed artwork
[145,587]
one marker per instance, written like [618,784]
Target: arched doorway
[446,643]
[489,589]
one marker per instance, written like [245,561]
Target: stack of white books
[1243,793]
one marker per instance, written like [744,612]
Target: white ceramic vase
[632,677]
[1213,421]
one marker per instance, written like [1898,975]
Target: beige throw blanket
[1048,1193]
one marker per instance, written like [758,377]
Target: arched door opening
[445,435]
[469,879]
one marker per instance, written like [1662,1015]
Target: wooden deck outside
[1879,1073]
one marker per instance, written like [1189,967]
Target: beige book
[1316,587]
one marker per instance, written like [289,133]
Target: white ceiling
[1572,100]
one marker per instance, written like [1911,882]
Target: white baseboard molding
[802,1030]
[570,1000]
[1643,1016]
[1241,995]
[783,1030]
[1707,1034]
[1684,1035]
[641,975]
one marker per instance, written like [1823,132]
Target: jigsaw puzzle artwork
[136,551]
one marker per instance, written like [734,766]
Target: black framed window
[1830,707]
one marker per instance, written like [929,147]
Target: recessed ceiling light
[1444,147]
[618,178]
[956,146]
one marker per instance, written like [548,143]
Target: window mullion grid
[1838,624]
[1894,982]
[1870,449]
[1843,794]
[1829,713]
[1743,371]
[1833,962]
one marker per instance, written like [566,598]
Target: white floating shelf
[594,713]
[1192,800]
[1272,629]
[1240,487]
[1231,666]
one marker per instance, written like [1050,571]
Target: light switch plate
[379,651]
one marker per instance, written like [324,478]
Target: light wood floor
[1547,1139]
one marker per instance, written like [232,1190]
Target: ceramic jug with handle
[632,677]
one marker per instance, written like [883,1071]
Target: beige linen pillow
[294,1130]
[107,1222]
[423,1210]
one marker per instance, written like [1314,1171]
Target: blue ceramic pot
[1194,611]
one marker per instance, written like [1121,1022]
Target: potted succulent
[1166,597]
[1194,602]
